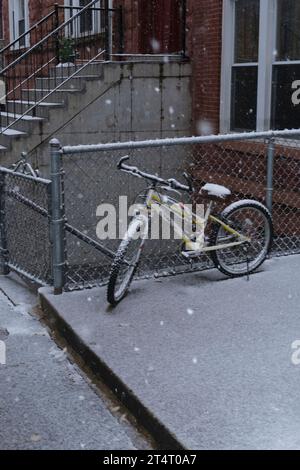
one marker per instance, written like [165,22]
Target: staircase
[67,50]
[45,106]
[99,95]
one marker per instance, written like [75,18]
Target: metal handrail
[43,20]
[47,50]
[42,41]
[44,98]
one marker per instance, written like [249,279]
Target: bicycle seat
[215,191]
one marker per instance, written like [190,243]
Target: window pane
[1,20]
[246,31]
[244,98]
[285,107]
[288,30]
[86,18]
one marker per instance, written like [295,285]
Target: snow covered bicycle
[238,243]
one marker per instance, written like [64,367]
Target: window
[18,17]
[86,19]
[245,66]
[1,20]
[19,22]
[260,65]
[89,22]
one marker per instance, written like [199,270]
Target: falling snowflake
[155,45]
[204,127]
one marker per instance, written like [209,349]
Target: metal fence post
[57,218]
[4,268]
[270,174]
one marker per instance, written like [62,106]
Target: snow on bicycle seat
[215,191]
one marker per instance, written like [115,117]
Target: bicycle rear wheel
[125,263]
[253,220]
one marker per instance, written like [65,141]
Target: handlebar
[171,183]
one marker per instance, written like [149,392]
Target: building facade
[245,54]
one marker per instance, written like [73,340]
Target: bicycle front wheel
[125,263]
[252,220]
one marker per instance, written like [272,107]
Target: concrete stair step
[11,132]
[36,94]
[41,110]
[91,69]
[23,123]
[75,82]
[7,136]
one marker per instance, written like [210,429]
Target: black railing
[42,59]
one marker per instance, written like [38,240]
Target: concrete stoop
[106,102]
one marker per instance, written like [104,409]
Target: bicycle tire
[246,266]
[115,294]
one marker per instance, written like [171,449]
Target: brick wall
[204,45]
[205,48]
[151,19]
[37,9]
[40,8]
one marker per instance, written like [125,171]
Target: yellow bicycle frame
[154,199]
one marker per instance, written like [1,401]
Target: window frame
[14,18]
[1,21]
[266,61]
[97,27]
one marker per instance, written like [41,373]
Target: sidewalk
[204,362]
[45,401]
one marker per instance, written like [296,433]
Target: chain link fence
[259,167]
[48,228]
[25,226]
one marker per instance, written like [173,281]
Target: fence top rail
[211,139]
[22,175]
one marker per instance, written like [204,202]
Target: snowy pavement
[45,403]
[211,359]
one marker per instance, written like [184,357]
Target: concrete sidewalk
[204,362]
[46,402]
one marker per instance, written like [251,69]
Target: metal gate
[25,245]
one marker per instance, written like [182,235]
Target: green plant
[66,50]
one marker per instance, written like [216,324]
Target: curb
[164,438]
